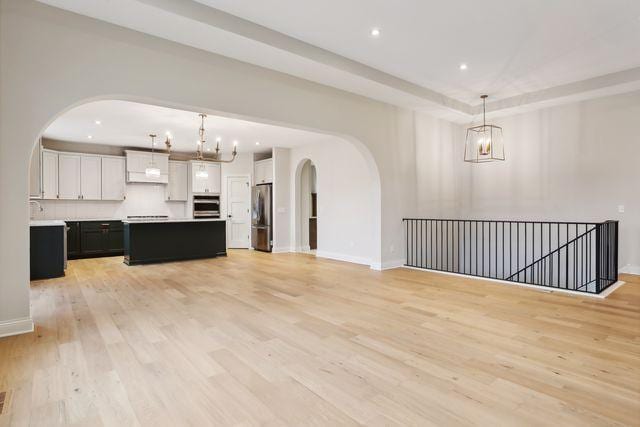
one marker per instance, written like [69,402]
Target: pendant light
[152,171]
[200,147]
[484,143]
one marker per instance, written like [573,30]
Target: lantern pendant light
[152,170]
[484,143]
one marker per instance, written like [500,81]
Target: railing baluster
[590,251]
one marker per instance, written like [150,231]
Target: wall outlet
[620,208]
[282,210]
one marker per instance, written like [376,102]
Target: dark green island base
[147,242]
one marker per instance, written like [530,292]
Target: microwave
[206,206]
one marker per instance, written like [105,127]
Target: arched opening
[306,208]
[306,232]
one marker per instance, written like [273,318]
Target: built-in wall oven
[206,206]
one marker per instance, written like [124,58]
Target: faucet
[37,203]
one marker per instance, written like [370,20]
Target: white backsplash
[142,199]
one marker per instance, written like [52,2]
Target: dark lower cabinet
[46,252]
[73,240]
[95,239]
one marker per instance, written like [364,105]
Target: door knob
[228,216]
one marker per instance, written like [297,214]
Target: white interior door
[238,218]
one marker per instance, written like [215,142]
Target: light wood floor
[289,339]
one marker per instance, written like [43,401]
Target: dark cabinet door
[92,240]
[101,238]
[73,240]
[115,240]
[46,252]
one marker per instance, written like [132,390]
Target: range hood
[139,161]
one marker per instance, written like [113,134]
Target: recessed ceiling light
[463,66]
[257,143]
[89,136]
[375,32]
[98,122]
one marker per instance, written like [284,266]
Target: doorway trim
[297,207]
[226,208]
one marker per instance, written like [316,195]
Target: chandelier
[484,143]
[217,156]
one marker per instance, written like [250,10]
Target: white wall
[345,201]
[142,199]
[575,162]
[281,200]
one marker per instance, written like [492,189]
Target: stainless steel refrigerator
[261,216]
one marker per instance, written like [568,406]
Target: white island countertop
[161,220]
[47,223]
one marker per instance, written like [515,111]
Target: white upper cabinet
[263,171]
[90,178]
[139,161]
[205,177]
[214,178]
[178,181]
[113,181]
[69,176]
[49,174]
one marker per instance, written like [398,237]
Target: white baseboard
[387,265]
[342,257]
[601,295]
[630,269]
[281,250]
[16,327]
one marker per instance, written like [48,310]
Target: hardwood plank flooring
[288,339]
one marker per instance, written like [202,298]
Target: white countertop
[47,223]
[150,221]
[91,219]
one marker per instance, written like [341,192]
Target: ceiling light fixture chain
[200,146]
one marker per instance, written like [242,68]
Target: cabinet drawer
[101,225]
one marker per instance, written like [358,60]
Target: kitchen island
[164,240]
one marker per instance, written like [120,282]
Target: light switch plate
[282,210]
[620,208]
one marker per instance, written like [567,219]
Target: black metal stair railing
[577,256]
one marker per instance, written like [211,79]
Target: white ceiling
[521,52]
[511,46]
[128,124]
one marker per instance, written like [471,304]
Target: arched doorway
[182,78]
[306,209]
